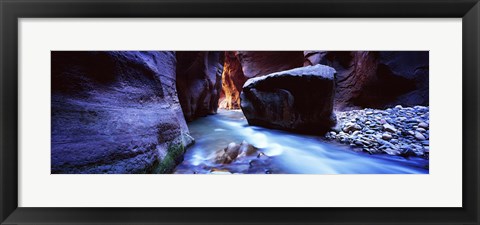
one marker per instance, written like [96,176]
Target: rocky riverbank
[400,131]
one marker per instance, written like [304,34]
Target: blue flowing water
[289,153]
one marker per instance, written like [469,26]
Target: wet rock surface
[399,131]
[241,158]
[299,100]
[115,112]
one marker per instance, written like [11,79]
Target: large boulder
[115,112]
[199,82]
[376,79]
[242,65]
[299,99]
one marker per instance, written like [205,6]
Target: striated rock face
[376,79]
[259,63]
[242,65]
[199,76]
[232,82]
[116,112]
[300,99]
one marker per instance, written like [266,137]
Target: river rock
[389,128]
[351,127]
[419,136]
[247,149]
[421,130]
[300,99]
[386,136]
[389,131]
[234,151]
[423,125]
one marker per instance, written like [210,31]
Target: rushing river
[288,153]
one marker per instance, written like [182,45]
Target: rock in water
[299,99]
[246,149]
[234,151]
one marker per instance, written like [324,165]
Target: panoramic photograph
[240,112]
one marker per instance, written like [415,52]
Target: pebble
[423,125]
[419,136]
[421,130]
[400,131]
[389,128]
[351,127]
[386,136]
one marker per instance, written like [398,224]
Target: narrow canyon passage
[281,152]
[132,112]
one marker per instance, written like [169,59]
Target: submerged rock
[234,151]
[300,99]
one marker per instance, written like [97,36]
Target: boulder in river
[234,151]
[299,99]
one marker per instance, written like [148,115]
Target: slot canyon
[240,112]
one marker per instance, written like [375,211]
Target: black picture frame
[12,10]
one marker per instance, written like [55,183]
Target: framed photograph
[239,112]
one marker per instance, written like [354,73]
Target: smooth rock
[423,125]
[421,130]
[419,136]
[299,100]
[386,136]
[389,128]
[115,112]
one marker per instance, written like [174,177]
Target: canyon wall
[365,79]
[376,79]
[199,82]
[242,65]
[116,112]
[232,82]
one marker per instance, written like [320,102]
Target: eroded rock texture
[259,63]
[199,82]
[242,65]
[116,112]
[299,100]
[232,82]
[376,79]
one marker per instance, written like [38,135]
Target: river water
[288,153]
